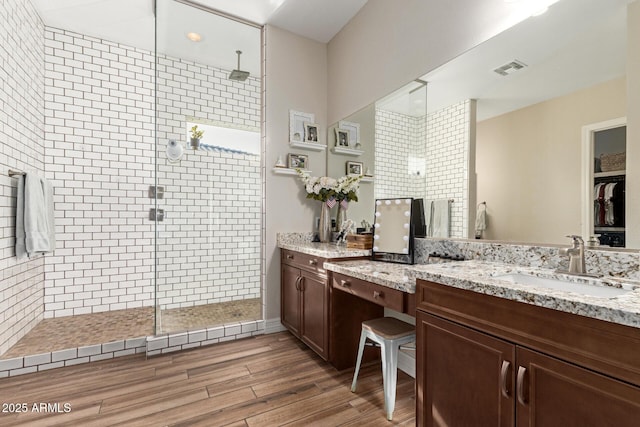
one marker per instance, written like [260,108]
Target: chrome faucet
[576,256]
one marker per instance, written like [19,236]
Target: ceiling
[576,44]
[131,22]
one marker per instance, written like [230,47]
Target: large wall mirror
[525,98]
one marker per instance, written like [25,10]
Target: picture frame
[310,132]
[355,168]
[342,137]
[297,161]
[297,119]
[354,132]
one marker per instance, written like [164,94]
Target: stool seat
[389,328]
[389,333]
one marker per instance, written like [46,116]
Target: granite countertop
[324,250]
[480,276]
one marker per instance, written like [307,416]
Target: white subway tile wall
[426,158]
[21,148]
[448,139]
[99,103]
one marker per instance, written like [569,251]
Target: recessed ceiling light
[194,37]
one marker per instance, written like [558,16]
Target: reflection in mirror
[557,75]
[392,231]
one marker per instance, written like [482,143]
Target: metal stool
[390,333]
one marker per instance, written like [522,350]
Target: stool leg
[363,339]
[389,376]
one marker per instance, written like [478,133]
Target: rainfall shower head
[238,74]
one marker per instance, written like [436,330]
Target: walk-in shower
[153,240]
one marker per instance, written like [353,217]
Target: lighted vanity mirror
[392,231]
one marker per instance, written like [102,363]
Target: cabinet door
[315,313]
[555,393]
[464,377]
[289,299]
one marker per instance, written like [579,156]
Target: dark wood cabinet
[304,304]
[483,360]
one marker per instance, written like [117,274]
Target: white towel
[481,218]
[38,216]
[428,215]
[21,249]
[441,218]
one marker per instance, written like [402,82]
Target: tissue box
[360,241]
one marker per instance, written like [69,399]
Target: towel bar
[16,173]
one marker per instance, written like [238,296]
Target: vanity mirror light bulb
[408,201]
[376,225]
[405,251]
[398,201]
[387,202]
[378,202]
[376,237]
[406,225]
[375,248]
[405,238]
[377,214]
[407,213]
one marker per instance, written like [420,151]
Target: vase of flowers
[329,191]
[196,135]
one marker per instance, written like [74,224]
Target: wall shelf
[287,171]
[367,179]
[610,173]
[313,146]
[346,151]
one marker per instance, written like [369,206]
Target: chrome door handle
[289,256]
[313,262]
[520,385]
[345,283]
[377,294]
[503,378]
[298,279]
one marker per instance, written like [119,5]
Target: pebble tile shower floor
[88,329]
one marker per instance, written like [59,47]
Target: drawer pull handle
[520,380]
[377,294]
[313,262]
[503,378]
[289,256]
[345,283]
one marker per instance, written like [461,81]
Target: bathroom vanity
[487,357]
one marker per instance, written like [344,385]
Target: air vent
[510,68]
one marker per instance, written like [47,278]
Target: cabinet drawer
[381,295]
[304,261]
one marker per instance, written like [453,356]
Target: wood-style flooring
[268,380]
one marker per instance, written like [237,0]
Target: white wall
[389,43]
[633,126]
[296,78]
[21,148]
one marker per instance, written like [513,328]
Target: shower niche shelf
[287,171]
[313,146]
[346,151]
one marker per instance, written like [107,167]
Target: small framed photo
[354,132]
[310,132]
[297,119]
[297,161]
[355,168]
[342,137]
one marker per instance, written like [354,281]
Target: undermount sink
[565,285]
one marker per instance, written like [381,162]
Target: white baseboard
[271,326]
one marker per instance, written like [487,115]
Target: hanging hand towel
[21,249]
[481,218]
[441,218]
[36,221]
[428,217]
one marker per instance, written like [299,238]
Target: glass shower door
[209,190]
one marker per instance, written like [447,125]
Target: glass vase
[324,228]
